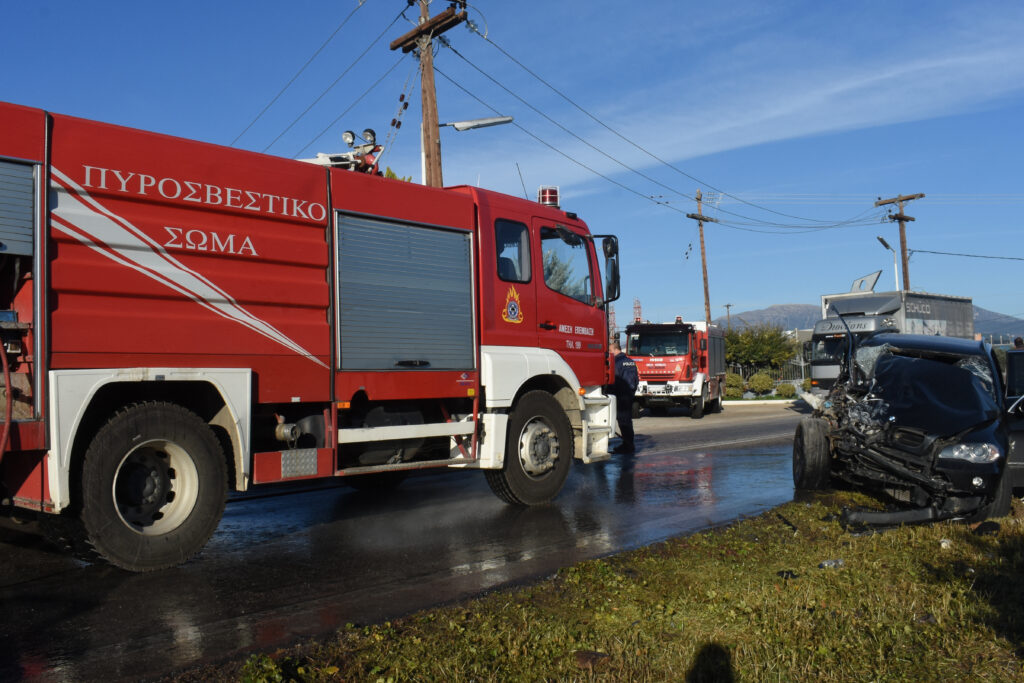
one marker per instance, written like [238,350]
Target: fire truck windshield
[658,344]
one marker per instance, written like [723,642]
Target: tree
[388,173]
[760,345]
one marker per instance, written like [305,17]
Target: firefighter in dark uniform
[626,381]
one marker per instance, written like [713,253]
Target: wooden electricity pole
[421,38]
[902,218]
[700,218]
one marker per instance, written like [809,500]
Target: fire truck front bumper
[667,392]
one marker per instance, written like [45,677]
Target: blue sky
[808,109]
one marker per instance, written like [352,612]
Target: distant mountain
[786,316]
[803,316]
[991,323]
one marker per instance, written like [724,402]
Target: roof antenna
[525,195]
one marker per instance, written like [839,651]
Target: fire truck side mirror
[610,247]
[703,344]
[611,287]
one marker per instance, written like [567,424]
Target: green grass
[921,603]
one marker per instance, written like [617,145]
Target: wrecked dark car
[924,419]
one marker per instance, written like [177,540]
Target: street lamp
[432,175]
[478,123]
[895,273]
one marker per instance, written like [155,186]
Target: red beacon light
[548,195]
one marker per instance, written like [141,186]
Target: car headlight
[971,452]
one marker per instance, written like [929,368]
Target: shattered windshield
[941,395]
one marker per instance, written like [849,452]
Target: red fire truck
[680,363]
[180,319]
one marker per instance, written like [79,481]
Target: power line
[336,80]
[951,253]
[349,108]
[605,177]
[751,221]
[299,72]
[448,45]
[555,149]
[634,144]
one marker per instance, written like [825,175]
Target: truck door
[513,319]
[569,321]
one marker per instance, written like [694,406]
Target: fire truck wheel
[811,455]
[716,405]
[538,452]
[697,407]
[154,484]
[635,410]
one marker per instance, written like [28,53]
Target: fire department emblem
[512,312]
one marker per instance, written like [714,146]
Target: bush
[733,381]
[733,394]
[806,386]
[761,383]
[785,390]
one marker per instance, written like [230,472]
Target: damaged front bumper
[906,465]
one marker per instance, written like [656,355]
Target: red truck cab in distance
[679,363]
[180,319]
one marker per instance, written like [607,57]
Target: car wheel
[811,455]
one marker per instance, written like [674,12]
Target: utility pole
[700,218]
[728,316]
[902,218]
[421,39]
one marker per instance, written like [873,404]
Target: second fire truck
[680,363]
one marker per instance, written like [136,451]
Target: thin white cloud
[773,90]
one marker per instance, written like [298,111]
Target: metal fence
[793,371]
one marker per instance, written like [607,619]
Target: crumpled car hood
[933,396]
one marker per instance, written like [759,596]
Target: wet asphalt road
[286,567]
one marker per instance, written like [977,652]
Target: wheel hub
[155,488]
[144,485]
[538,448]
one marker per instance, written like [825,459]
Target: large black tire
[153,487]
[699,403]
[538,452]
[635,409]
[811,457]
[716,405]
